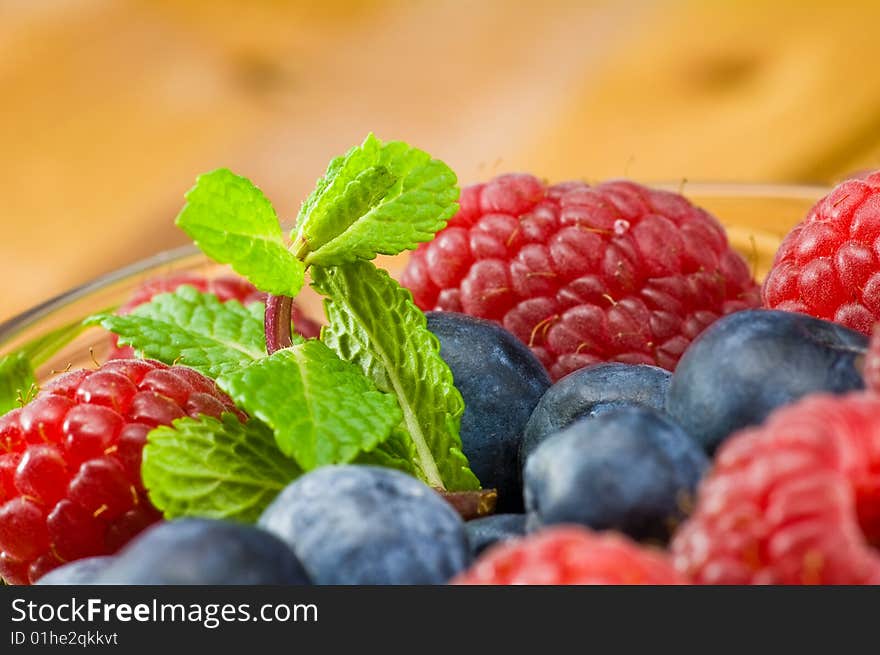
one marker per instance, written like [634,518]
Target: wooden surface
[110,108]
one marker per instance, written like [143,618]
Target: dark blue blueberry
[367,525]
[501,381]
[630,469]
[490,530]
[78,572]
[592,391]
[204,552]
[747,364]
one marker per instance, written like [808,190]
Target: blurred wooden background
[110,108]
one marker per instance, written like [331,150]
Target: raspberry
[583,274]
[70,482]
[795,501]
[570,555]
[872,362]
[828,266]
[226,288]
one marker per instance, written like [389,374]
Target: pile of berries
[646,411]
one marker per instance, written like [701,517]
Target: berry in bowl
[556,362]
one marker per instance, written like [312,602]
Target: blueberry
[490,530]
[501,381]
[630,469]
[78,572]
[204,552]
[747,364]
[367,525]
[592,391]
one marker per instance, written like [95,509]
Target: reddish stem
[471,504]
[277,323]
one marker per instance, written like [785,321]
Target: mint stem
[471,504]
[277,323]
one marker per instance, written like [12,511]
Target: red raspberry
[571,555]
[70,460]
[872,362]
[228,287]
[583,274]
[795,501]
[829,264]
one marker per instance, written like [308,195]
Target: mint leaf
[234,223]
[396,452]
[374,324]
[214,469]
[192,328]
[378,198]
[322,409]
[16,380]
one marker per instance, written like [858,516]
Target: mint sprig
[373,389]
[192,328]
[375,325]
[379,198]
[234,223]
[321,408]
[215,469]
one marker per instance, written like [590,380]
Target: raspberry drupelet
[70,459]
[581,274]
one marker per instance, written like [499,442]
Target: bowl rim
[29,317]
[20,322]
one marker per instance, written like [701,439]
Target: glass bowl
[756,217]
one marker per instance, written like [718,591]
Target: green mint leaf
[322,409]
[16,380]
[396,452]
[378,198]
[214,469]
[373,323]
[234,223]
[192,328]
